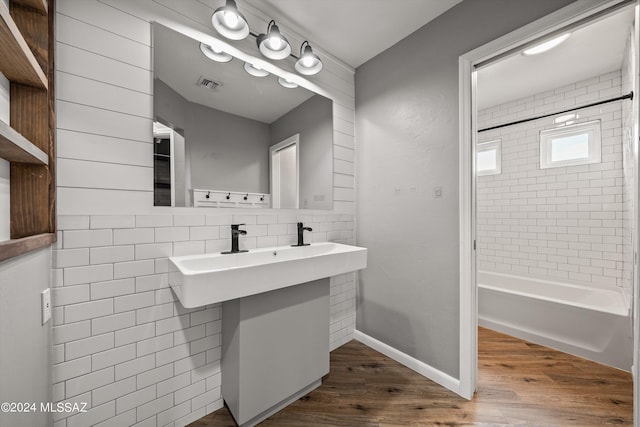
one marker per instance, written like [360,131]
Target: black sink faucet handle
[235,232]
[301,230]
[235,228]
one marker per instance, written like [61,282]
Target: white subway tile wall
[562,223]
[124,344]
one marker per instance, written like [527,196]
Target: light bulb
[307,61]
[231,19]
[275,43]
[229,22]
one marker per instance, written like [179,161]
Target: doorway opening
[285,165]
[528,229]
[554,185]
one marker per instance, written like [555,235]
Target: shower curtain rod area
[628,96]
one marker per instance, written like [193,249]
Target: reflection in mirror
[220,131]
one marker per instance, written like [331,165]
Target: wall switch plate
[46,305]
[437,192]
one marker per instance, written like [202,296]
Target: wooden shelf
[15,247]
[39,5]
[16,148]
[17,62]
[27,43]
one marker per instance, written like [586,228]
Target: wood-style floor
[520,383]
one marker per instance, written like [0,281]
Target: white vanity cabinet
[275,349]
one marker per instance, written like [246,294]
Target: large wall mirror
[226,138]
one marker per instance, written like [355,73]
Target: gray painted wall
[227,152]
[313,120]
[407,139]
[25,344]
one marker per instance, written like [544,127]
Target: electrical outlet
[437,192]
[46,305]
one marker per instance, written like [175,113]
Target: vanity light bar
[230,23]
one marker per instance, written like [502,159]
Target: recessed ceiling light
[548,45]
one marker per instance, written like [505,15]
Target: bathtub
[593,323]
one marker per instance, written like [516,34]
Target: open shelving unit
[28,141]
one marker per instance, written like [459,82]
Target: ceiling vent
[209,83]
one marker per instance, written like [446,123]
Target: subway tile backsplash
[124,344]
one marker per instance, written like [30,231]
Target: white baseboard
[436,375]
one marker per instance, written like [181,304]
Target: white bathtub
[589,322]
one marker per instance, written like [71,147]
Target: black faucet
[235,232]
[301,229]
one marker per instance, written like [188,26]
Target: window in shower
[576,144]
[489,158]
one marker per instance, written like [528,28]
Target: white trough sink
[211,278]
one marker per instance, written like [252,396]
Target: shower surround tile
[563,223]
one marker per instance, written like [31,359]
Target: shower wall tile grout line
[565,223]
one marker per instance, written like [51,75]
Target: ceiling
[592,50]
[354,30]
[357,30]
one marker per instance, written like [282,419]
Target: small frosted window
[570,148]
[488,158]
[571,145]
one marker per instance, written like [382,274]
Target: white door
[284,163]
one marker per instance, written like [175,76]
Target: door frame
[292,140]
[573,14]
